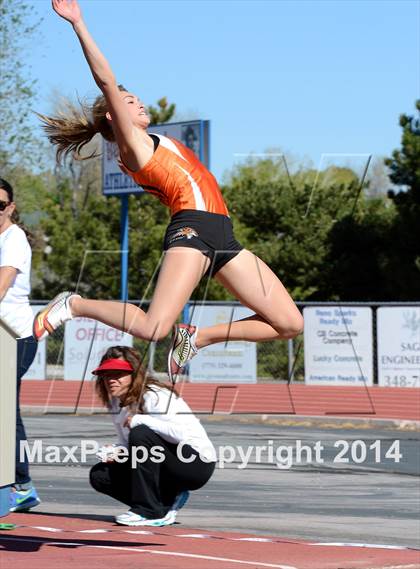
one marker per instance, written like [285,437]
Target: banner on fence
[228,362]
[338,345]
[398,332]
[38,368]
[85,342]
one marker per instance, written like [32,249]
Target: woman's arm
[102,73]
[165,426]
[7,276]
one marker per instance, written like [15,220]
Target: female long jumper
[198,240]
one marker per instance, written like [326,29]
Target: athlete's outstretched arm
[104,78]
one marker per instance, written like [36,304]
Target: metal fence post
[151,362]
[290,360]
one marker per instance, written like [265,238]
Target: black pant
[150,488]
[26,351]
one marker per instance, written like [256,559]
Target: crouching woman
[164,450]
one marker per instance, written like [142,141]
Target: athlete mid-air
[199,239]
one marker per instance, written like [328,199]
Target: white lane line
[209,536]
[92,531]
[372,545]
[153,551]
[411,566]
[254,539]
[195,535]
[43,528]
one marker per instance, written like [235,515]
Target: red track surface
[374,402]
[46,541]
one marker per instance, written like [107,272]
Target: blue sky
[308,78]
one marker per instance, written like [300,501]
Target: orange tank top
[179,180]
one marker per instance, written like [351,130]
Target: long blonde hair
[76,125]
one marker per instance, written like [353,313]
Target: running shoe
[182,349]
[23,500]
[53,315]
[132,519]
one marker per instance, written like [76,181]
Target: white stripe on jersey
[167,143]
[198,196]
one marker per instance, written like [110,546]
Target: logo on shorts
[187,232]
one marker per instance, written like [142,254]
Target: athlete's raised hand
[68,9]
[122,123]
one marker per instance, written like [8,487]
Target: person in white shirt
[16,312]
[163,449]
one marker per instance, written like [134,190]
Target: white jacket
[167,415]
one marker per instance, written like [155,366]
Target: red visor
[113,364]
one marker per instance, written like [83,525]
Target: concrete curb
[321,421]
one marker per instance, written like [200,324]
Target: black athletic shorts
[211,233]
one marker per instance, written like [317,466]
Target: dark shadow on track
[31,544]
[93,517]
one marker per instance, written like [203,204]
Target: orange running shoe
[53,315]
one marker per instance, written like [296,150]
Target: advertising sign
[338,345]
[85,342]
[114,180]
[399,346]
[227,362]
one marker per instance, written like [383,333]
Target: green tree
[75,244]
[404,239]
[286,219]
[162,113]
[357,254]
[19,144]
[81,248]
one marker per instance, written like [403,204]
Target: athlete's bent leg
[181,271]
[255,285]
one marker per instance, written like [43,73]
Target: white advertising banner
[338,345]
[231,362]
[399,346]
[38,367]
[85,342]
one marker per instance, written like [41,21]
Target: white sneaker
[131,519]
[182,349]
[53,315]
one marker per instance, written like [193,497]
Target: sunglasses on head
[3,205]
